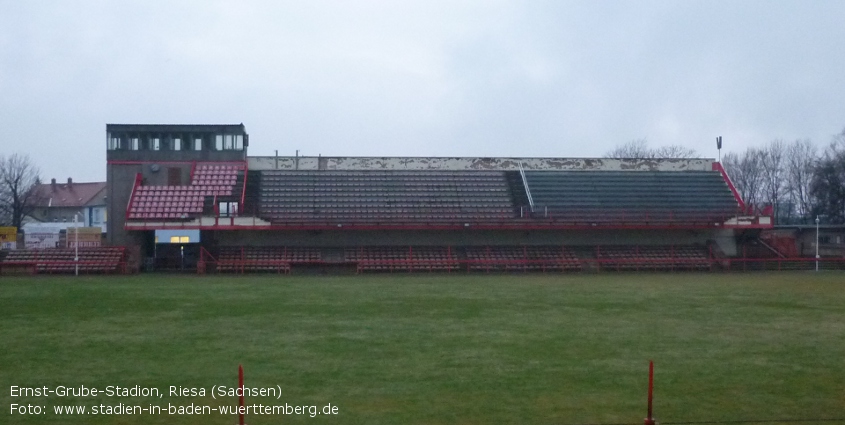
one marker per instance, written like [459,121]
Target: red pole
[650,419]
[241,397]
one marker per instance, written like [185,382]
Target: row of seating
[178,194]
[655,217]
[388,175]
[472,258]
[215,169]
[222,176]
[169,203]
[158,190]
[381,192]
[632,196]
[264,259]
[425,258]
[522,258]
[214,181]
[360,209]
[62,260]
[340,183]
[165,204]
[390,218]
[375,196]
[653,257]
[183,202]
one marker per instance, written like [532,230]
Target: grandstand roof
[476,163]
[175,128]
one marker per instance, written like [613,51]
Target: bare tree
[838,143]
[634,149]
[828,185]
[639,149]
[800,162]
[772,161]
[745,171]
[675,151]
[18,178]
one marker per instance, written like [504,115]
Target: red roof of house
[67,194]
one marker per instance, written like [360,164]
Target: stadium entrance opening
[175,251]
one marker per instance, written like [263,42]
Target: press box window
[114,143]
[229,142]
[228,209]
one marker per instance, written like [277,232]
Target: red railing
[243,191]
[717,166]
[138,179]
[515,216]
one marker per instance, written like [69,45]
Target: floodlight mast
[719,147]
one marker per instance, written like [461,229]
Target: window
[134,144]
[114,143]
[228,209]
[197,144]
[155,143]
[179,239]
[177,144]
[824,239]
[229,142]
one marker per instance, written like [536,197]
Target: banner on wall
[41,239]
[8,237]
[84,237]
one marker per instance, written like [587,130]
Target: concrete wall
[459,238]
[119,182]
[167,155]
[835,246]
[439,163]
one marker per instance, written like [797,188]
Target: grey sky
[408,78]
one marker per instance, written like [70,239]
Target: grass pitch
[441,349]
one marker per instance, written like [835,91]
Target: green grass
[396,349]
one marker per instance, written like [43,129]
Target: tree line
[799,181]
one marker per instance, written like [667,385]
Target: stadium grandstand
[188,197]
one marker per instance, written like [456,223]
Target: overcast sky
[420,78]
